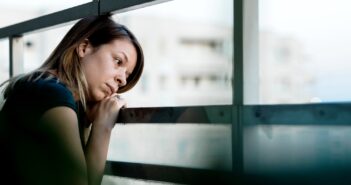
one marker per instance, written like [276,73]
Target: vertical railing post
[98,9]
[238,90]
[16,55]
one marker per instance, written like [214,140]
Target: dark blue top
[30,99]
[30,152]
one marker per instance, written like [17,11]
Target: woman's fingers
[107,110]
[120,101]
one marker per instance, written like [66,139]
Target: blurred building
[283,74]
[186,62]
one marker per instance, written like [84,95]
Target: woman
[56,122]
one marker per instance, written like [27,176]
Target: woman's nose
[121,76]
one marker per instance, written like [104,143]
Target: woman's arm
[69,163]
[77,167]
[103,115]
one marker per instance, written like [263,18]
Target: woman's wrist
[101,127]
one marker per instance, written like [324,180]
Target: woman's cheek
[99,96]
[95,95]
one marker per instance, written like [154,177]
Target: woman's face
[107,67]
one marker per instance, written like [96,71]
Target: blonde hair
[64,59]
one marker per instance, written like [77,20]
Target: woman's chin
[98,97]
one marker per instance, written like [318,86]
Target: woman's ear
[84,48]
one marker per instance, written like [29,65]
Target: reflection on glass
[304,55]
[185,145]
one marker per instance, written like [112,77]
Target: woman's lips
[111,89]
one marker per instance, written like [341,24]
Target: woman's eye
[118,61]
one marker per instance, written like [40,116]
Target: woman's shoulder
[50,86]
[45,91]
[42,85]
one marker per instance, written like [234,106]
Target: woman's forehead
[125,46]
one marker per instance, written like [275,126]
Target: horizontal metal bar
[123,6]
[168,173]
[293,114]
[52,19]
[74,13]
[196,114]
[299,114]
[203,176]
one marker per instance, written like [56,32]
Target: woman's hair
[98,30]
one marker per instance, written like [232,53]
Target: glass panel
[184,145]
[304,55]
[113,180]
[39,45]
[32,9]
[277,150]
[188,53]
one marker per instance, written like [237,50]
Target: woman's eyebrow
[125,56]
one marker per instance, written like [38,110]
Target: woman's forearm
[96,152]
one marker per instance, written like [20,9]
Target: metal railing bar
[238,58]
[202,176]
[220,114]
[124,6]
[49,20]
[238,88]
[168,173]
[331,114]
[74,13]
[284,114]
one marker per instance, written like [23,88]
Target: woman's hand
[105,112]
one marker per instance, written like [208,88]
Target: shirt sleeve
[55,94]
